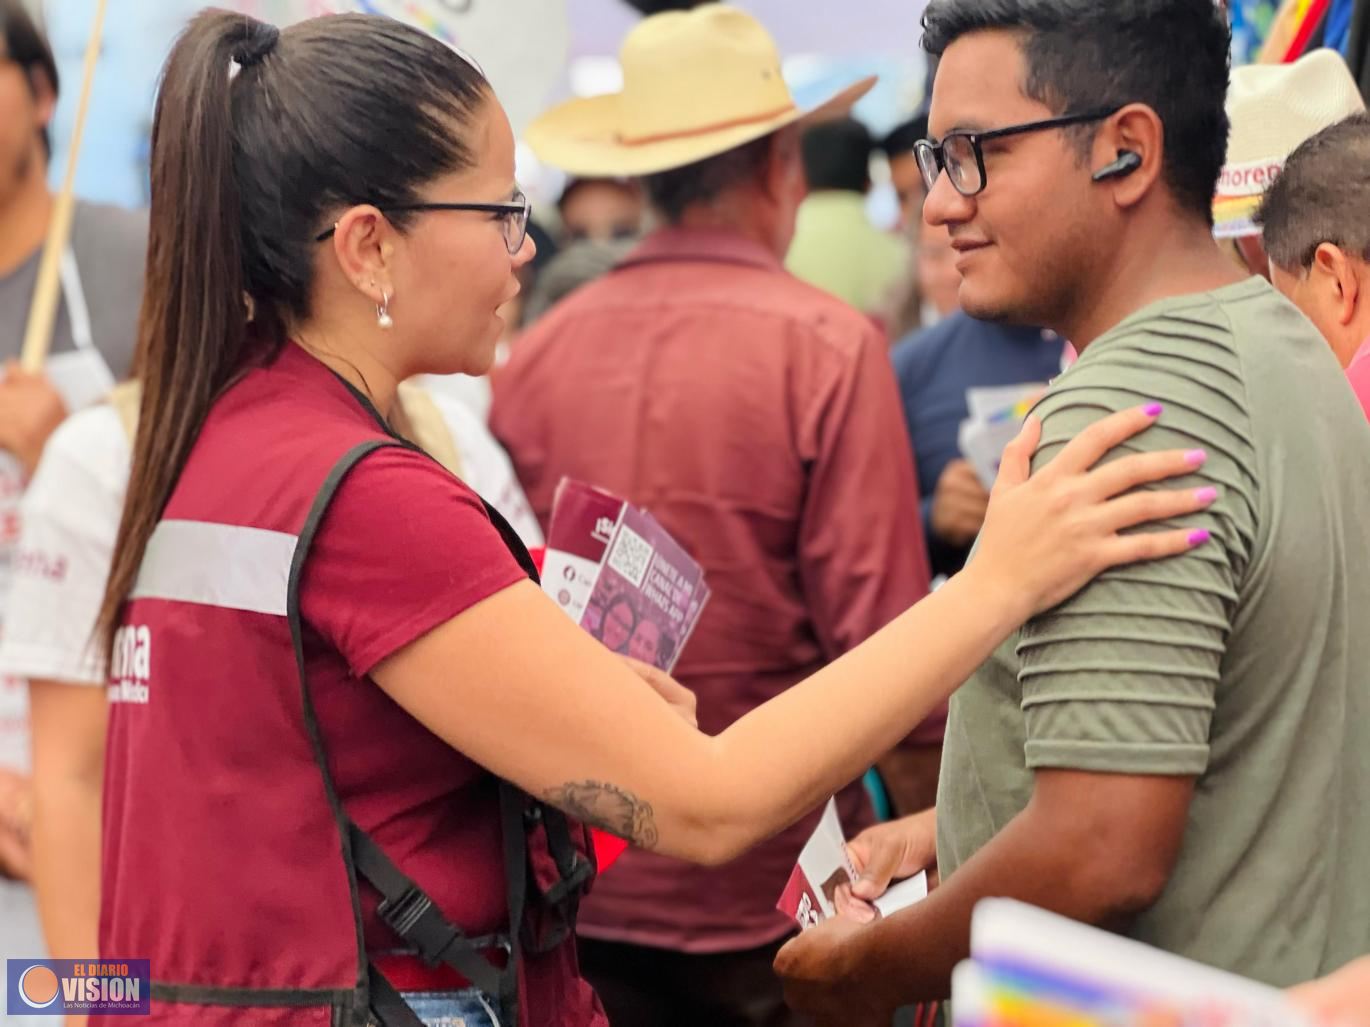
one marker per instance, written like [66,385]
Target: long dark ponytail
[258,136]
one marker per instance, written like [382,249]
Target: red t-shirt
[221,862]
[403,548]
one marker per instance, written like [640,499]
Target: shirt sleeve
[403,548]
[70,518]
[1123,676]
[861,548]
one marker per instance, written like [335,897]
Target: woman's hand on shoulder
[1048,534]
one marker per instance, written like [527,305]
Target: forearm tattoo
[609,808]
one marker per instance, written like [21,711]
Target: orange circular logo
[38,987]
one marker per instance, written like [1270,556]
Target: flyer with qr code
[620,575]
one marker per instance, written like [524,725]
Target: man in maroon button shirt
[759,420]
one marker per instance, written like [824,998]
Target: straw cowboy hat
[695,84]
[1273,108]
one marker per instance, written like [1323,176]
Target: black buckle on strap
[415,919]
[573,882]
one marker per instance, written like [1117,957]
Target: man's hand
[898,849]
[30,411]
[16,823]
[959,504]
[1341,1000]
[677,696]
[819,970]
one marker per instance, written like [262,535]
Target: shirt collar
[1362,355]
[710,245]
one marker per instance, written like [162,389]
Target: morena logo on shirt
[130,664]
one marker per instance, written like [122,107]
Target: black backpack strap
[405,907]
[512,805]
[575,870]
[357,1014]
[388,1005]
[408,911]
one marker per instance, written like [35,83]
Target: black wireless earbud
[1126,163]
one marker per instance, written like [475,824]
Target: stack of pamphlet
[1029,968]
[996,417]
[619,575]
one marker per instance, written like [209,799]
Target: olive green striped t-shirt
[1245,664]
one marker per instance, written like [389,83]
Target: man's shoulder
[799,313]
[1218,317]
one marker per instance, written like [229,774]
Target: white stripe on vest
[219,565]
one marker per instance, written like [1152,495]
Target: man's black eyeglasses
[961,156]
[515,221]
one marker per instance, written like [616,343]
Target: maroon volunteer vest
[229,859]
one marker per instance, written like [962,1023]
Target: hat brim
[580,136]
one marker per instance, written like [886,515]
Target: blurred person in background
[756,416]
[576,265]
[92,346]
[929,293]
[601,210]
[835,246]
[1316,225]
[1121,760]
[939,283]
[1273,108]
[935,368]
[905,175]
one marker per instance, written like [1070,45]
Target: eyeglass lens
[957,158]
[516,224]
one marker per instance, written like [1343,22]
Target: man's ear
[44,95]
[1135,129]
[1339,277]
[784,171]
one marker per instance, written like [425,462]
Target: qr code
[631,555]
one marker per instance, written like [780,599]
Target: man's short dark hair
[837,155]
[1322,195]
[899,142]
[1172,55]
[28,48]
[674,192]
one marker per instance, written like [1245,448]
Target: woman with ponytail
[351,744]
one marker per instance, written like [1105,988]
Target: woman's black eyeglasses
[961,156]
[516,213]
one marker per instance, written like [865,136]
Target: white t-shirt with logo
[70,517]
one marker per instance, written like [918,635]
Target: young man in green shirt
[1181,751]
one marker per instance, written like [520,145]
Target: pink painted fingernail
[1153,410]
[1198,538]
[1206,495]
[1195,457]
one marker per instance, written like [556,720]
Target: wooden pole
[43,310]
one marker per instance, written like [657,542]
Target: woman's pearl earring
[383,317]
